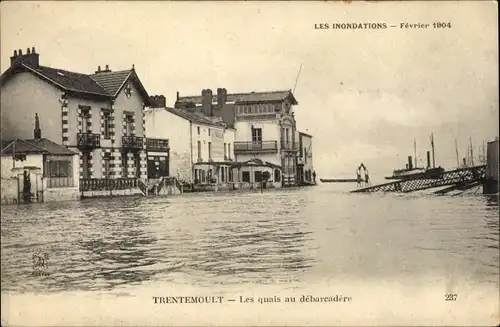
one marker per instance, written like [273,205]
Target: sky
[364,95]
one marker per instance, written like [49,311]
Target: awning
[256,163]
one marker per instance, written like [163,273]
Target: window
[225,151]
[245,176]
[229,150]
[230,175]
[198,129]
[209,132]
[277,175]
[256,134]
[223,175]
[59,172]
[199,150]
[124,165]
[106,123]
[86,121]
[129,128]
[85,165]
[305,155]
[258,176]
[137,163]
[106,165]
[209,150]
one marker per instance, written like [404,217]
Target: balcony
[157,144]
[132,142]
[290,146]
[88,141]
[249,147]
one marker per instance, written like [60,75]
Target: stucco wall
[11,170]
[95,107]
[229,137]
[133,103]
[10,184]
[270,130]
[307,152]
[165,125]
[21,97]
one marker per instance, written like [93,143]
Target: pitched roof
[41,146]
[111,81]
[196,117]
[252,97]
[104,84]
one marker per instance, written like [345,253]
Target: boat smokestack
[428,159]
[410,163]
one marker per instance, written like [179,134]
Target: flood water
[299,241]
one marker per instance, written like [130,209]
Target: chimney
[158,101]
[31,58]
[221,97]
[98,69]
[37,133]
[410,163]
[428,159]
[177,95]
[206,102]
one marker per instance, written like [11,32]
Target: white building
[264,126]
[305,169]
[201,147]
[38,170]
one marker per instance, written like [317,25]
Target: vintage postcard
[249,163]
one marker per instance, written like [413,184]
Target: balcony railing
[88,141]
[290,146]
[132,142]
[97,184]
[157,144]
[262,146]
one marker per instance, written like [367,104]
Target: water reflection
[276,237]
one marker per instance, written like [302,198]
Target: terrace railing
[259,146]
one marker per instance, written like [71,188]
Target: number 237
[450,297]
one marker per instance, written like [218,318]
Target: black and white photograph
[249,163]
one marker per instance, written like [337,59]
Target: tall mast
[433,154]
[456,152]
[471,152]
[415,151]
[297,79]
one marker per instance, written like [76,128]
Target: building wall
[65,193]
[165,125]
[270,130]
[11,184]
[21,97]
[134,103]
[229,138]
[307,152]
[11,169]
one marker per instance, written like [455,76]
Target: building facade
[265,130]
[201,147]
[38,170]
[100,116]
[305,169]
